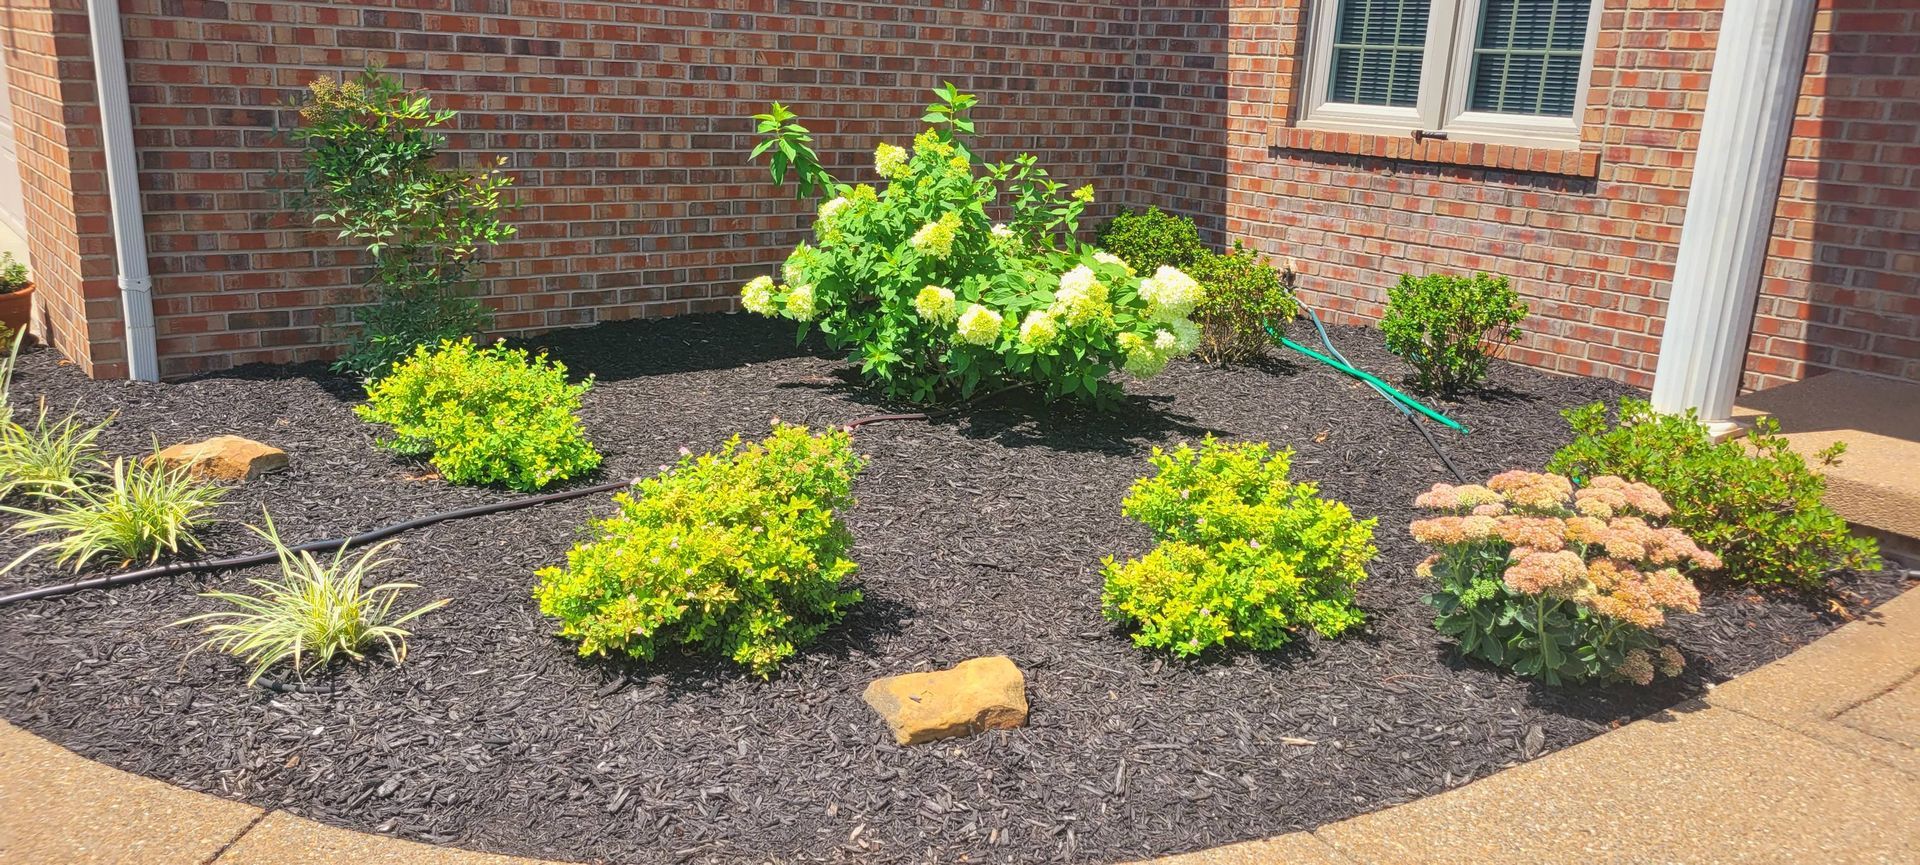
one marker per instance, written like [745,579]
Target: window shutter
[1527,59]
[1378,47]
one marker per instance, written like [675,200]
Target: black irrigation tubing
[330,544]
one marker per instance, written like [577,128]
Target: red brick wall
[1589,238]
[50,72]
[625,126]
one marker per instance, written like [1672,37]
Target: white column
[1757,68]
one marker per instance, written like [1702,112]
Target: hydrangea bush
[1557,583]
[1244,555]
[935,299]
[1753,500]
[740,553]
[484,415]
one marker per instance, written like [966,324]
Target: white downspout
[123,189]
[1757,66]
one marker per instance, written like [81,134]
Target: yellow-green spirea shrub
[484,415]
[1245,556]
[740,553]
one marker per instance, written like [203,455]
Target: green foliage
[1244,555]
[1241,293]
[49,456]
[739,553]
[934,300]
[1448,327]
[13,274]
[373,172]
[1754,500]
[486,415]
[140,510]
[312,614]
[1150,238]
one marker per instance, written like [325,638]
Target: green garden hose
[1369,378]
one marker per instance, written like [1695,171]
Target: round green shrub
[484,415]
[1448,327]
[740,553]
[1241,293]
[1149,239]
[1244,555]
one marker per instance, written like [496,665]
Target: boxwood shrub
[740,553]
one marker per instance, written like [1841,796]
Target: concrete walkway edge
[1813,758]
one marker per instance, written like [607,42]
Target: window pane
[1527,59]
[1378,46]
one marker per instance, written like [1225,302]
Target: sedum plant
[933,299]
[740,553]
[484,415]
[315,612]
[1754,501]
[1450,327]
[1559,584]
[374,173]
[140,510]
[1244,556]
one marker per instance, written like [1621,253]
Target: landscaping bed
[976,534]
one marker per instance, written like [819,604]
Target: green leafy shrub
[313,613]
[485,415]
[1150,239]
[13,274]
[739,553]
[140,510]
[1244,555]
[1448,327]
[1560,585]
[1241,293]
[933,300]
[1754,501]
[373,172]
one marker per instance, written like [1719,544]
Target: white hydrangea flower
[829,209]
[890,160]
[1002,232]
[800,303]
[1081,297]
[1039,329]
[1186,335]
[935,304]
[1105,257]
[757,295]
[1169,293]
[1143,361]
[980,325]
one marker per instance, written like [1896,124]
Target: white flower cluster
[935,304]
[1081,297]
[980,325]
[1169,293]
[757,295]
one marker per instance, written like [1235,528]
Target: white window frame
[1446,71]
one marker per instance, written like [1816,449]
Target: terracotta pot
[16,308]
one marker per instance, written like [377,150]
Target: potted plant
[16,293]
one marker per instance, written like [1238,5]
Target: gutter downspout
[123,189]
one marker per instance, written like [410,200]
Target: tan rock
[981,694]
[226,458]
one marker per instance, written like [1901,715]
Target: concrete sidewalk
[1812,759]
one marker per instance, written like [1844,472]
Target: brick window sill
[1504,157]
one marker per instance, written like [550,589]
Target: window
[1495,71]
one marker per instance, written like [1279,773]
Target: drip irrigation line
[1398,400]
[330,544]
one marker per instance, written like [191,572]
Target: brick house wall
[1588,237]
[62,182]
[625,127]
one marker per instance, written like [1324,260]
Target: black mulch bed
[976,535]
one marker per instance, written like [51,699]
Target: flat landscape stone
[977,695]
[1704,786]
[226,458]
[283,839]
[58,808]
